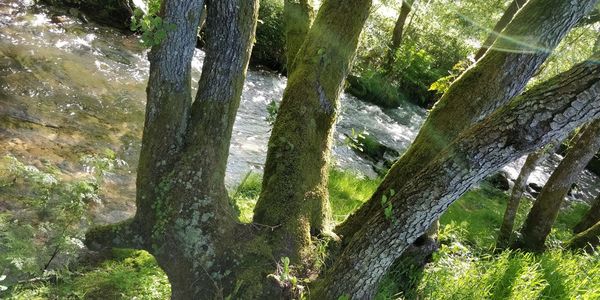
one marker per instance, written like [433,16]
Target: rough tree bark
[587,240]
[545,113]
[496,78]
[508,221]
[590,218]
[294,193]
[540,219]
[508,15]
[298,17]
[183,215]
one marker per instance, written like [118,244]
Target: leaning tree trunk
[545,113]
[183,215]
[294,195]
[508,222]
[508,15]
[587,240]
[591,217]
[298,17]
[491,83]
[545,209]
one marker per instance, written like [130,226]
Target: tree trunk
[587,240]
[543,114]
[508,15]
[400,22]
[183,214]
[298,16]
[591,217]
[545,209]
[294,194]
[494,80]
[508,222]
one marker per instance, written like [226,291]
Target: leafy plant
[272,109]
[47,216]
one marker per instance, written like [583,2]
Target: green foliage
[245,196]
[48,213]
[269,47]
[373,87]
[152,27]
[467,266]
[386,203]
[127,274]
[272,109]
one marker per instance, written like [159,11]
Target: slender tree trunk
[545,209]
[545,113]
[183,214]
[508,15]
[495,79]
[294,194]
[591,217]
[298,16]
[508,222]
[587,240]
[398,32]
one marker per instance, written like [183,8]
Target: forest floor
[466,267]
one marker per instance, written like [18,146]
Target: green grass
[465,267]
[127,274]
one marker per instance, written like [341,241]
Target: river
[69,89]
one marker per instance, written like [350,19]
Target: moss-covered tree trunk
[590,218]
[512,206]
[500,75]
[543,114]
[587,240]
[294,195]
[298,17]
[508,15]
[545,209]
[183,214]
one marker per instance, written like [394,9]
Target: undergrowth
[466,266]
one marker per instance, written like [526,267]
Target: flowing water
[69,88]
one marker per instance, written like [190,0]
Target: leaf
[392,192]
[388,212]
[384,199]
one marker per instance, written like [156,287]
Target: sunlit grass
[465,267]
[127,274]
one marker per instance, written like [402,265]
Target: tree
[492,82]
[508,15]
[590,218]
[298,17]
[545,209]
[587,240]
[184,217]
[294,193]
[508,221]
[534,119]
[398,32]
